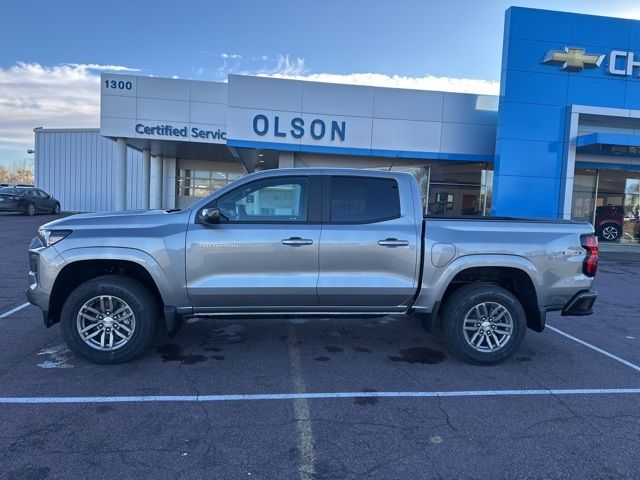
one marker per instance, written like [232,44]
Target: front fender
[170,284]
[435,280]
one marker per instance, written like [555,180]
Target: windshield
[12,191]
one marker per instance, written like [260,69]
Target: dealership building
[561,139]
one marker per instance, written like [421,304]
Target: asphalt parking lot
[368,399]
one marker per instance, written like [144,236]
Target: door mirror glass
[209,216]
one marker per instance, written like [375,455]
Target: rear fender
[436,280]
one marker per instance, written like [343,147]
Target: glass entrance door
[610,200]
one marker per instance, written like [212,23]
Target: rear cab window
[363,199]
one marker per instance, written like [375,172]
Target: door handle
[297,241]
[393,242]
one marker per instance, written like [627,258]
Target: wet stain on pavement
[333,349]
[103,408]
[322,358]
[217,357]
[361,350]
[423,355]
[173,353]
[523,359]
[227,334]
[213,349]
[366,401]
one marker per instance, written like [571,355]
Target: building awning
[609,143]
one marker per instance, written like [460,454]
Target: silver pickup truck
[308,242]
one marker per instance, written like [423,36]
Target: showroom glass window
[454,189]
[270,200]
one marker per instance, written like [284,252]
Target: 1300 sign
[119,85]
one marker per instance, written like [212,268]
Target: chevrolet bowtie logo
[574,59]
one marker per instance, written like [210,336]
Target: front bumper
[40,298]
[581,304]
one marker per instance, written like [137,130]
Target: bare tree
[20,171]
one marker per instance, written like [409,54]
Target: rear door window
[363,199]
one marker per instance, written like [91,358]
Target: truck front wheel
[110,319]
[484,324]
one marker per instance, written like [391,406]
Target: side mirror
[210,216]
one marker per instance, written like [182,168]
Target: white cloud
[233,56]
[32,95]
[102,68]
[427,82]
[294,68]
[285,66]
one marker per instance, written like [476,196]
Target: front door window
[271,200]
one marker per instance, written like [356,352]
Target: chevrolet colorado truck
[308,242]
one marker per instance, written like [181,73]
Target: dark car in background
[609,222]
[27,200]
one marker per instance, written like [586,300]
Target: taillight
[590,264]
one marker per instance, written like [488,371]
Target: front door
[263,255]
[370,243]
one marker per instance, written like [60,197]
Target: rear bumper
[581,304]
[10,207]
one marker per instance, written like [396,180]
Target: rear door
[369,246]
[32,197]
[264,253]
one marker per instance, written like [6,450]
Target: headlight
[51,237]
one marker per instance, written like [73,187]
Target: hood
[130,218]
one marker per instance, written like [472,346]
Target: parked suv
[609,222]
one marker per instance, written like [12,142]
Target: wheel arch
[82,264]
[75,273]
[516,274]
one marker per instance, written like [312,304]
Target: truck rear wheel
[110,319]
[484,324]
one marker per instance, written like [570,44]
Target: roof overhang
[609,144]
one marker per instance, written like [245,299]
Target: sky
[52,52]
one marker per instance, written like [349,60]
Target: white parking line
[593,347]
[319,395]
[14,310]
[301,409]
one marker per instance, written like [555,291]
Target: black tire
[56,209]
[141,303]
[30,210]
[609,232]
[461,302]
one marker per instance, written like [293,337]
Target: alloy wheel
[106,322]
[610,233]
[488,327]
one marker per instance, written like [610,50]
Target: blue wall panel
[540,159]
[538,25]
[599,92]
[528,87]
[531,121]
[611,33]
